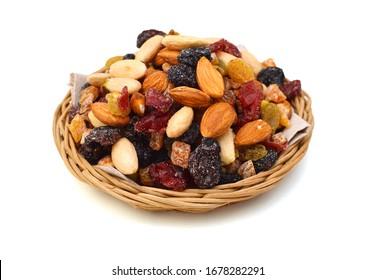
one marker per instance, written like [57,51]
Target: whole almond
[157,80]
[180,42]
[124,156]
[98,79]
[102,113]
[191,97]
[180,122]
[117,84]
[227,149]
[128,68]
[149,49]
[217,119]
[94,120]
[169,56]
[252,133]
[209,78]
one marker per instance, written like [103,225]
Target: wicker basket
[190,200]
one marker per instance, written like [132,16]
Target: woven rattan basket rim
[190,200]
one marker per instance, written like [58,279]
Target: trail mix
[184,112]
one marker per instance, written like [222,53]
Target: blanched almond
[149,49]
[117,84]
[180,122]
[227,150]
[128,68]
[98,79]
[124,156]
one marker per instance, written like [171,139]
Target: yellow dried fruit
[239,71]
[112,60]
[77,127]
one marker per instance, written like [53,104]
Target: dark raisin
[104,135]
[169,175]
[86,85]
[271,75]
[227,178]
[93,151]
[192,55]
[144,152]
[291,89]
[189,137]
[205,164]
[130,132]
[158,100]
[182,75]
[73,112]
[129,56]
[266,162]
[147,34]
[225,46]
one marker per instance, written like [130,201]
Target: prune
[129,56]
[147,34]
[169,175]
[225,46]
[93,151]
[205,164]
[271,75]
[192,55]
[104,135]
[266,162]
[227,178]
[189,137]
[182,75]
[158,100]
[291,89]
[144,152]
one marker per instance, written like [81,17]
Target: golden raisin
[77,127]
[239,71]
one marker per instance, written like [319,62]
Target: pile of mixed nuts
[184,112]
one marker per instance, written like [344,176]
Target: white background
[317,224]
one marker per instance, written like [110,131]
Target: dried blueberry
[205,164]
[266,162]
[182,75]
[129,56]
[271,75]
[147,34]
[192,55]
[227,178]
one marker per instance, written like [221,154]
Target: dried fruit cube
[247,169]
[239,71]
[88,96]
[77,127]
[144,176]
[156,141]
[180,154]
[274,94]
[106,161]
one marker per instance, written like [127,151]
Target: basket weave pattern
[190,200]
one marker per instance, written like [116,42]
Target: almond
[157,80]
[128,68]
[252,133]
[169,56]
[180,42]
[98,79]
[138,103]
[94,120]
[191,97]
[209,79]
[149,49]
[124,156]
[227,149]
[217,119]
[180,122]
[117,84]
[102,113]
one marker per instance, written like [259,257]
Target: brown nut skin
[252,133]
[157,80]
[102,113]
[138,103]
[217,119]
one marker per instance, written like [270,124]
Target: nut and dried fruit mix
[184,112]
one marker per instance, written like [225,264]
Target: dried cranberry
[269,144]
[123,101]
[155,121]
[291,89]
[169,175]
[225,46]
[158,100]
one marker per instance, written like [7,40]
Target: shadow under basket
[190,200]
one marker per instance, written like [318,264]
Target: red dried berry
[123,101]
[169,175]
[271,145]
[225,46]
[158,100]
[291,89]
[155,121]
